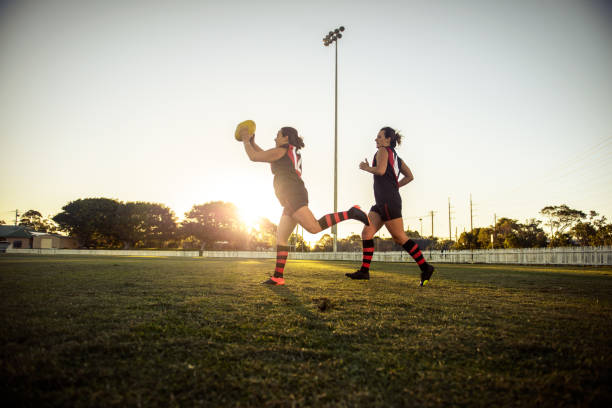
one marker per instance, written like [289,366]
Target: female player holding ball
[286,164]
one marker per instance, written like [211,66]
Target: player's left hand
[364,165]
[245,135]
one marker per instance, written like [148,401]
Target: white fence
[592,256]
[112,252]
[596,256]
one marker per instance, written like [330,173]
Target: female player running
[286,163]
[386,168]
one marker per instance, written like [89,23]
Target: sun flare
[251,214]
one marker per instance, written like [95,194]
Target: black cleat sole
[358,275]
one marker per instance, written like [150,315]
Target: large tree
[530,235]
[351,243]
[324,244]
[34,221]
[146,224]
[561,217]
[509,233]
[484,237]
[595,231]
[298,244]
[264,237]
[604,235]
[213,223]
[469,240]
[91,220]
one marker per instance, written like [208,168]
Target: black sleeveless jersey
[288,169]
[386,187]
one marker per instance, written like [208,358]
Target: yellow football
[249,124]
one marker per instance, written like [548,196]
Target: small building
[18,237]
[44,240]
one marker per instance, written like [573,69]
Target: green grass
[163,332]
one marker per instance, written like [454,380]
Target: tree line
[216,225]
[567,226]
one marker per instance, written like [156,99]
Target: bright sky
[510,101]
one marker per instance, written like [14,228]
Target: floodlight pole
[335,226]
[333,36]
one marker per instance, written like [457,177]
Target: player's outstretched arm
[261,155]
[408,177]
[255,145]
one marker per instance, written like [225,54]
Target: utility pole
[421,219]
[432,228]
[16,216]
[471,218]
[494,229]
[450,235]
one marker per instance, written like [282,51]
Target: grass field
[163,332]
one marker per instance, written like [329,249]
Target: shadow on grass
[293,301]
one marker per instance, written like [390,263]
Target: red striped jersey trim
[394,163]
[295,159]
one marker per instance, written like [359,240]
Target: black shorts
[291,196]
[388,210]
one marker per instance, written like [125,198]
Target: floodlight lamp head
[341,28]
[339,35]
[336,31]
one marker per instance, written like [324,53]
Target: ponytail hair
[294,138]
[396,137]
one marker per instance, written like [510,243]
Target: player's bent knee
[313,229]
[368,232]
[399,239]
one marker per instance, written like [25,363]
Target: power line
[575,164]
